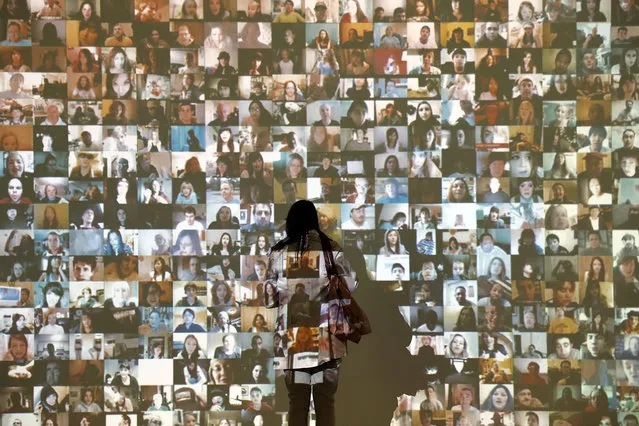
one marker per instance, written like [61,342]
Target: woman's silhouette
[381,357]
[313,348]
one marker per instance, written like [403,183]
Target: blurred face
[120,294]
[19,350]
[595,343]
[492,317]
[289,36]
[186,245]
[229,342]
[118,61]
[121,215]
[227,191]
[260,269]
[596,140]
[496,291]
[492,31]
[295,168]
[428,271]
[524,397]
[153,296]
[127,266]
[121,84]
[631,371]
[188,318]
[123,187]
[526,89]
[88,216]
[529,320]
[631,58]
[87,11]
[526,189]
[358,216]
[500,399]
[184,34]
[460,295]
[424,34]
[521,164]
[53,373]
[358,115]
[15,190]
[221,292]
[590,61]
[628,166]
[425,112]
[565,294]
[82,271]
[457,345]
[53,115]
[458,190]
[225,214]
[53,242]
[627,268]
[185,114]
[262,215]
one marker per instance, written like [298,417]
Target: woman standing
[302,236]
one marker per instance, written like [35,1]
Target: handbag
[348,313]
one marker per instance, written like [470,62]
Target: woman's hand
[146,196]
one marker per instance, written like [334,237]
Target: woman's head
[597,272]
[458,345]
[18,347]
[52,293]
[497,268]
[424,111]
[500,398]
[358,112]
[458,191]
[49,398]
[221,293]
[189,9]
[191,345]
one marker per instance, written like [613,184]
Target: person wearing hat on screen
[629,248]
[458,63]
[85,167]
[358,219]
[320,11]
[223,67]
[259,67]
[496,167]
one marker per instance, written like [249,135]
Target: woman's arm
[346,272]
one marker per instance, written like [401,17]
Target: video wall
[481,155]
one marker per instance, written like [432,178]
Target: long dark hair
[301,219]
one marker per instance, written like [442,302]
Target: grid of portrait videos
[480,153]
